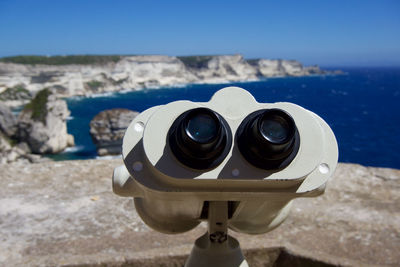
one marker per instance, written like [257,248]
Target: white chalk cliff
[138,72]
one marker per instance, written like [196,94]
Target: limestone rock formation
[226,68]
[138,72]
[10,148]
[42,124]
[8,122]
[151,71]
[8,128]
[278,67]
[7,154]
[19,152]
[107,130]
[17,92]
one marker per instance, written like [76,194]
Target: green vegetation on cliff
[62,60]
[17,92]
[94,85]
[38,106]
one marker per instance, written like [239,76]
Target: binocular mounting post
[216,247]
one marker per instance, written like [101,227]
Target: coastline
[19,82]
[332,96]
[126,91]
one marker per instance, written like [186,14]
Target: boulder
[42,124]
[19,152]
[107,129]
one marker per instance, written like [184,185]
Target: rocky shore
[107,130]
[19,82]
[40,128]
[65,214]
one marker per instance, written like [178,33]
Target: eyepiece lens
[268,139]
[274,129]
[200,138]
[202,128]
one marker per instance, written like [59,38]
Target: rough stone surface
[7,152]
[138,72]
[226,68]
[49,134]
[8,122]
[64,213]
[5,149]
[19,152]
[17,92]
[279,67]
[11,148]
[107,129]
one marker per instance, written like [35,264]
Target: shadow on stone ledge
[270,257]
[65,214]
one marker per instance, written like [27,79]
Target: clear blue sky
[337,33]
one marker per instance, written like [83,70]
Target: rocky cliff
[8,122]
[40,128]
[19,81]
[42,124]
[11,148]
[107,130]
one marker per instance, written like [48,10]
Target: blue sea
[362,107]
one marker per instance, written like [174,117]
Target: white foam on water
[109,157]
[73,149]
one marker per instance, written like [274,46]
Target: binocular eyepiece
[201,138]
[268,139]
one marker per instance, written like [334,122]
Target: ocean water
[362,107]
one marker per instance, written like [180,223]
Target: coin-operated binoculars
[232,161]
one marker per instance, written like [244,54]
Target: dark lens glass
[202,128]
[274,130]
[268,138]
[200,138]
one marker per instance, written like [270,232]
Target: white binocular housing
[257,157]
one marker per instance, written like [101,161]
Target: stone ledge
[65,214]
